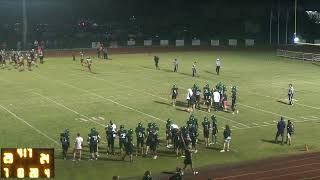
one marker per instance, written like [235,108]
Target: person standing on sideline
[174,94]
[280,130]
[216,98]
[105,53]
[218,64]
[78,147]
[234,98]
[189,95]
[65,141]
[194,69]
[290,130]
[215,130]
[175,65]
[227,139]
[156,62]
[290,94]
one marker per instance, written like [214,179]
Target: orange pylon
[306,148]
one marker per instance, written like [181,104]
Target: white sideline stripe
[255,124]
[36,129]
[258,109]
[267,123]
[315,117]
[57,103]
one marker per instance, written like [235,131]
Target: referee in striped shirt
[290,94]
[218,64]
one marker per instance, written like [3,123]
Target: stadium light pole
[295,18]
[25,24]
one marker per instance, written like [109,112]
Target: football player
[65,142]
[206,129]
[215,130]
[93,140]
[89,63]
[81,57]
[174,94]
[168,133]
[140,132]
[110,138]
[128,145]
[122,138]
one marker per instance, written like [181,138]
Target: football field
[36,106]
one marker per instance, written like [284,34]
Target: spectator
[227,139]
[290,130]
[280,130]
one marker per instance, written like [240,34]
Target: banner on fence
[147,42]
[164,42]
[131,42]
[113,44]
[179,42]
[233,42]
[215,42]
[249,42]
[95,45]
[195,42]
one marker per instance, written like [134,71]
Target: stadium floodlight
[296,38]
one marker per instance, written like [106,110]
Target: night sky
[59,11]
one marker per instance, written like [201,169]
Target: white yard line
[269,112]
[102,97]
[296,103]
[59,104]
[28,124]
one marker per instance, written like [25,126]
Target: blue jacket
[281,126]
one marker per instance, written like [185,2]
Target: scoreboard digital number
[27,163]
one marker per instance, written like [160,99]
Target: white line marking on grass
[36,129]
[115,102]
[267,123]
[255,124]
[235,127]
[315,117]
[94,118]
[57,103]
[258,109]
[107,99]
[300,104]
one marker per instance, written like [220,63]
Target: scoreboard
[27,163]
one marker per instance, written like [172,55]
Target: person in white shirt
[216,98]
[218,64]
[78,147]
[189,94]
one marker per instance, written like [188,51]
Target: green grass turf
[128,90]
